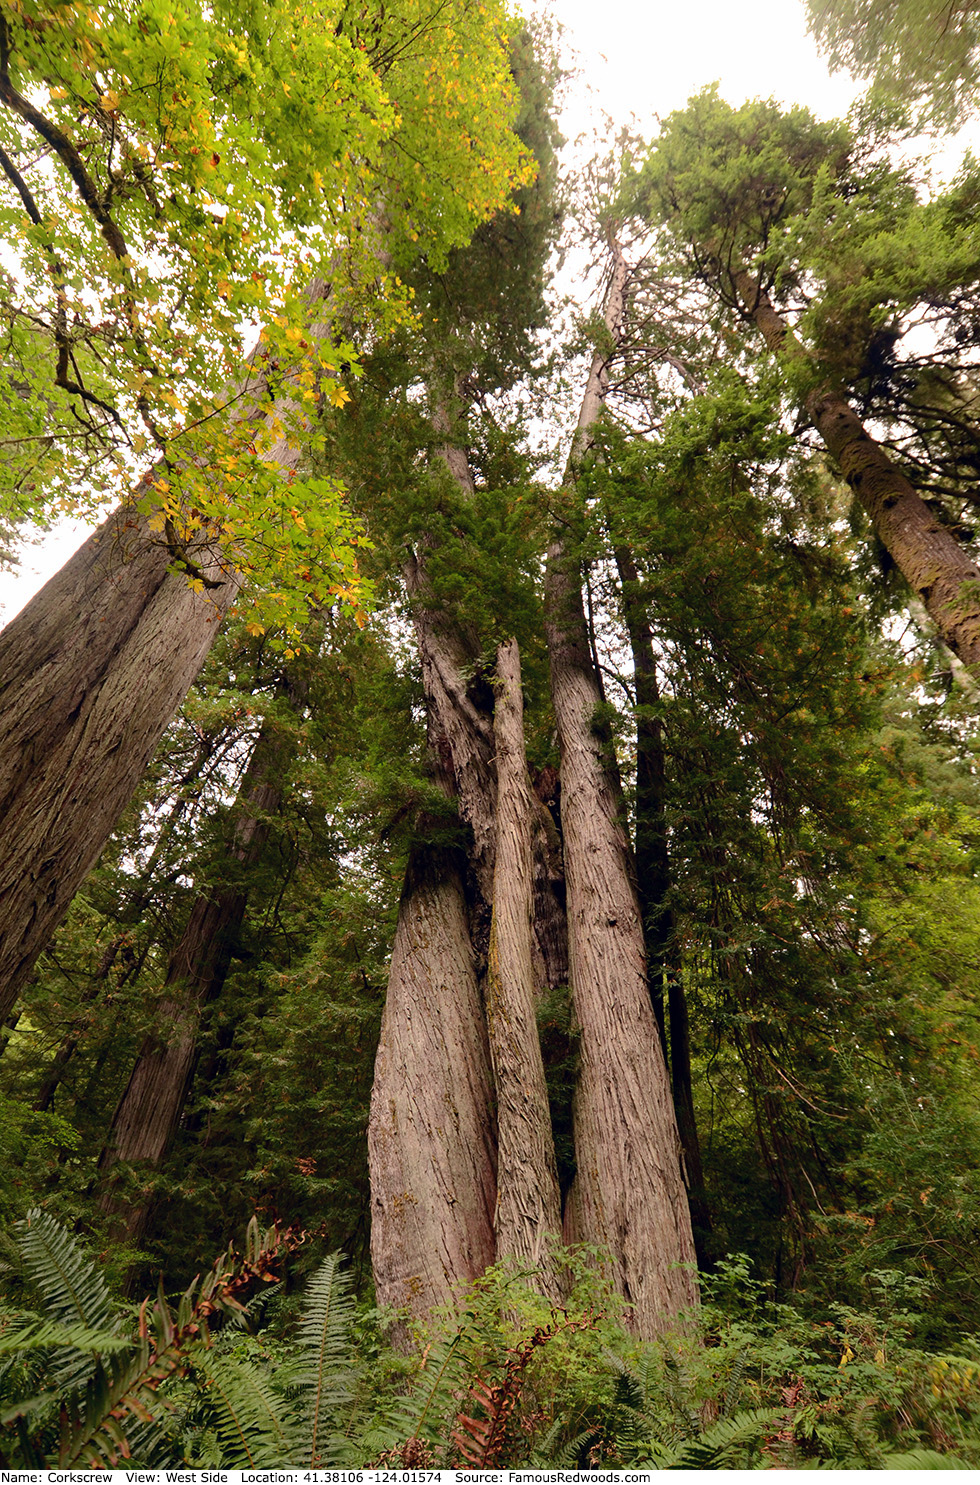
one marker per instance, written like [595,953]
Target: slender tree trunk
[132,911]
[961,677]
[69,1045]
[629,1194]
[528,1200]
[652,863]
[91,672]
[654,883]
[939,571]
[150,1109]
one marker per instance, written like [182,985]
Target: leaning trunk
[528,1200]
[932,562]
[91,672]
[150,1109]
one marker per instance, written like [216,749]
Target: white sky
[648,58]
[641,60]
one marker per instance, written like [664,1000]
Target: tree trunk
[654,882]
[149,1112]
[928,556]
[528,1200]
[652,864]
[629,1195]
[431,1137]
[69,1045]
[91,672]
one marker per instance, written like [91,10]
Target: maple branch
[61,145]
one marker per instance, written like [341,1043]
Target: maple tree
[183,181]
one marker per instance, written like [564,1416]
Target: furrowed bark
[463,726]
[463,721]
[466,730]
[629,1194]
[528,1210]
[939,571]
[91,672]
[431,1138]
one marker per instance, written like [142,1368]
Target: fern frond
[542,1457]
[734,1383]
[928,1459]
[323,1371]
[27,1407]
[40,1335]
[250,1419]
[429,1410]
[714,1448]
[570,1455]
[73,1287]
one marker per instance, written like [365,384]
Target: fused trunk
[464,727]
[91,672]
[928,556]
[431,1138]
[654,883]
[431,1144]
[459,702]
[528,1200]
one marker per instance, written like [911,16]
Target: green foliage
[205,168]
[503,1380]
[922,52]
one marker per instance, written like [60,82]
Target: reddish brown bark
[91,672]
[926,553]
[528,1215]
[431,1136]
[629,1194]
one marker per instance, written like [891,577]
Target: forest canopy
[489,896]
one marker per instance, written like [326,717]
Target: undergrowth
[232,1374]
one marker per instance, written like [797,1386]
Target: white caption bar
[123,1476]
